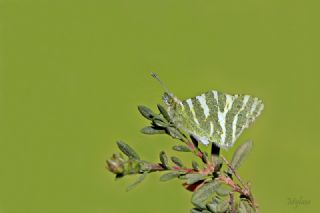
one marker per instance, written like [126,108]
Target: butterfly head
[171,101]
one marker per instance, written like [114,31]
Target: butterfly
[213,117]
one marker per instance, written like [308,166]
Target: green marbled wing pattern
[217,117]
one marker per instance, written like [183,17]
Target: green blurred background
[73,72]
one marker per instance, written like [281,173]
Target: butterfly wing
[218,117]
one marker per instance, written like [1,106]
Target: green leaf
[151,130]
[205,157]
[219,205]
[195,165]
[203,193]
[164,112]
[217,161]
[195,210]
[193,178]
[177,161]
[181,148]
[223,206]
[240,154]
[170,176]
[159,123]
[245,207]
[146,112]
[174,133]
[164,159]
[138,181]
[212,207]
[127,150]
[133,166]
[182,177]
[223,190]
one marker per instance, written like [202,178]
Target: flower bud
[116,164]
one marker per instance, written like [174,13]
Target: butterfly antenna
[158,79]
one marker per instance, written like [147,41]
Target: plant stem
[159,168]
[233,171]
[246,191]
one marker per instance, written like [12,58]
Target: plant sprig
[214,189]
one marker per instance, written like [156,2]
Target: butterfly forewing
[218,117]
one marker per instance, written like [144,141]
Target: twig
[231,203]
[192,143]
[195,149]
[246,191]
[233,171]
[160,168]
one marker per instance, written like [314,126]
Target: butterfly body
[214,117]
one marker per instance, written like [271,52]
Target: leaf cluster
[214,182]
